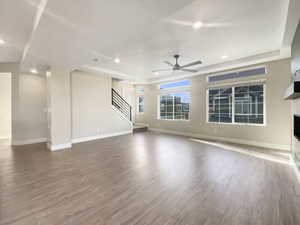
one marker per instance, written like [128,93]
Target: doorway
[5,108]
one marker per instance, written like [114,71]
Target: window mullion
[219,106]
[264,104]
[173,107]
[233,105]
[249,111]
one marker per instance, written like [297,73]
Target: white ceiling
[70,34]
[16,19]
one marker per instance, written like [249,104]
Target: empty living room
[150,112]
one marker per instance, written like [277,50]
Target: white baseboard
[60,147]
[296,169]
[4,137]
[84,139]
[232,140]
[28,142]
[91,138]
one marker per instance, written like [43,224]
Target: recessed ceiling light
[156,73]
[2,42]
[224,57]
[33,70]
[197,25]
[117,60]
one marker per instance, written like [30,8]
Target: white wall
[60,108]
[13,69]
[29,122]
[92,112]
[5,105]
[29,107]
[276,133]
[32,120]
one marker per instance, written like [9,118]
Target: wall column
[59,109]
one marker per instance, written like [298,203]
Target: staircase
[139,128]
[121,104]
[126,110]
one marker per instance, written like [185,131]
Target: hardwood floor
[144,178]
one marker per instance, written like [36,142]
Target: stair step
[137,128]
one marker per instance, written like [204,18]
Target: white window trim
[170,93]
[233,108]
[138,105]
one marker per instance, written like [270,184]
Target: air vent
[238,74]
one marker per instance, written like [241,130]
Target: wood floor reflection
[144,178]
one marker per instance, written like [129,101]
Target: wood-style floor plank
[142,179]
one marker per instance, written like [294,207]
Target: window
[178,84]
[249,104]
[239,74]
[239,105]
[174,106]
[140,104]
[220,105]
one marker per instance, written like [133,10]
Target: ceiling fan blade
[187,70]
[191,64]
[160,70]
[168,63]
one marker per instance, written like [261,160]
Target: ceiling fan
[176,66]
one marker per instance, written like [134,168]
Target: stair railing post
[130,114]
